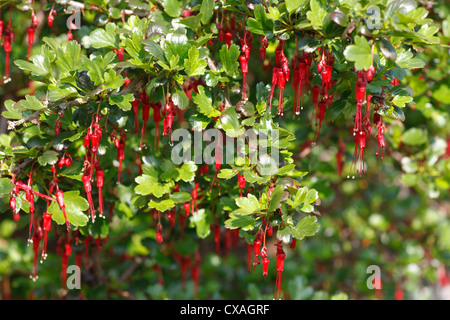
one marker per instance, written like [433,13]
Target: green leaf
[68,56]
[294,5]
[122,101]
[149,185]
[229,58]
[406,60]
[415,136]
[204,102]
[306,227]
[113,81]
[100,228]
[286,170]
[187,171]
[359,53]
[35,68]
[247,205]
[311,196]
[180,197]
[6,186]
[442,93]
[309,44]
[398,113]
[276,197]
[200,221]
[387,49]
[207,10]
[105,38]
[230,123]
[192,22]
[194,66]
[316,15]
[299,198]
[400,100]
[266,165]
[62,91]
[236,221]
[162,206]
[75,205]
[176,48]
[48,157]
[31,103]
[95,70]
[335,110]
[11,112]
[172,7]
[169,171]
[262,24]
[155,50]
[180,99]
[227,173]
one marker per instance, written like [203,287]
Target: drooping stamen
[37,236]
[280,266]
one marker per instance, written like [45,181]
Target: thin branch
[127,273]
[19,168]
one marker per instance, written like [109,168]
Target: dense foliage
[356,147]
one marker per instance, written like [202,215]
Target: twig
[124,276]
[19,168]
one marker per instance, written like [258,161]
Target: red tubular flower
[265,261]
[169,110]
[8,37]
[256,247]
[99,176]
[216,230]
[121,153]
[241,182]
[227,39]
[66,253]
[249,256]
[31,31]
[30,198]
[47,226]
[196,272]
[398,292]
[60,199]
[244,70]
[1,28]
[358,157]
[321,116]
[159,230]
[194,197]
[281,86]
[280,266]
[274,82]
[293,244]
[156,119]
[88,189]
[12,204]
[37,236]
[262,49]
[380,137]
[145,116]
[135,105]
[51,17]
